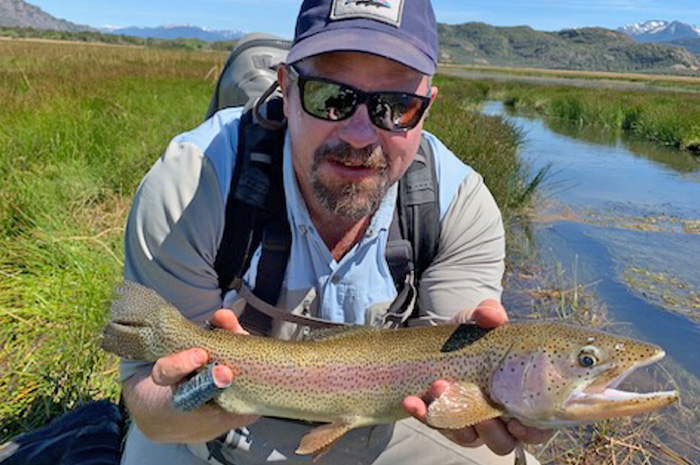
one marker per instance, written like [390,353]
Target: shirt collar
[298,213]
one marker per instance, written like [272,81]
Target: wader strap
[403,306]
[399,252]
[276,245]
[399,257]
[261,307]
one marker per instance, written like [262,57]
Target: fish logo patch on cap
[388,11]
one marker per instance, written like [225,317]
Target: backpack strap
[414,233]
[253,214]
[419,207]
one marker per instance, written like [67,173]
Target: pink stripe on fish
[341,377]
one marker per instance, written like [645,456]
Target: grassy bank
[80,126]
[671,119]
[486,143]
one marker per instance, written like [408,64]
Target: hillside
[595,49]
[17,13]
[692,45]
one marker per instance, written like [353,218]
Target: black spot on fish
[464,335]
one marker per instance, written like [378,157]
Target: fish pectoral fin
[462,404]
[320,439]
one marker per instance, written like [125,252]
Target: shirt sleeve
[469,263]
[173,232]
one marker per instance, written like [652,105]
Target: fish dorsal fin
[328,334]
[320,439]
[462,404]
[464,335]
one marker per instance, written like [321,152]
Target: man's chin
[351,203]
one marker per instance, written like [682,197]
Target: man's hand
[148,395]
[499,436]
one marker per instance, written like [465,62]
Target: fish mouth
[601,399]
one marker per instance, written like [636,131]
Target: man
[356,87]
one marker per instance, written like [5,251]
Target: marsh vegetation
[82,123]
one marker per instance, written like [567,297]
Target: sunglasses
[333,101]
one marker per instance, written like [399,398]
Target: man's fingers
[489,314]
[173,368]
[223,376]
[226,319]
[496,436]
[416,407]
[465,437]
[436,390]
[528,435]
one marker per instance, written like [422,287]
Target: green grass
[487,143]
[671,119]
[80,126]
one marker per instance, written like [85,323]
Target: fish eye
[589,356]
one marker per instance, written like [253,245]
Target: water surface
[623,215]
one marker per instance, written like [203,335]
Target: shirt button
[302,230]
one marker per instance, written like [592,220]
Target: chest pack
[256,213]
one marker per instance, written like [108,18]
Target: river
[624,217]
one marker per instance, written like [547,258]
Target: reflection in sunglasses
[333,101]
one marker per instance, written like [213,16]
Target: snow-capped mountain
[174,31]
[661,31]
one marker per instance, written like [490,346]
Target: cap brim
[363,40]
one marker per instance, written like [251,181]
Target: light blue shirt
[177,222]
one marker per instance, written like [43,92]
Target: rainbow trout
[546,375]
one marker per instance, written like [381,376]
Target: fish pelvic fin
[320,439]
[137,316]
[462,404]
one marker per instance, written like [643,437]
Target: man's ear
[433,95]
[283,80]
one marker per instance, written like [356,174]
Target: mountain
[174,31]
[595,49]
[17,13]
[661,31]
[692,45]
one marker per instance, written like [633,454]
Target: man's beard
[348,199]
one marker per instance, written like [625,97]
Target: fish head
[556,375]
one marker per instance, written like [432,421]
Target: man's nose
[358,130]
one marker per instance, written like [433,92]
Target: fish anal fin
[320,439]
[462,404]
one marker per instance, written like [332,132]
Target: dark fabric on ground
[88,435]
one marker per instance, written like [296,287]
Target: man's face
[344,168]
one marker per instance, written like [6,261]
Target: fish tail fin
[137,317]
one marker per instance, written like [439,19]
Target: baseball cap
[401,30]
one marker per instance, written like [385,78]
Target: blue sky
[277,16]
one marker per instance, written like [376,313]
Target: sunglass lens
[327,100]
[394,111]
